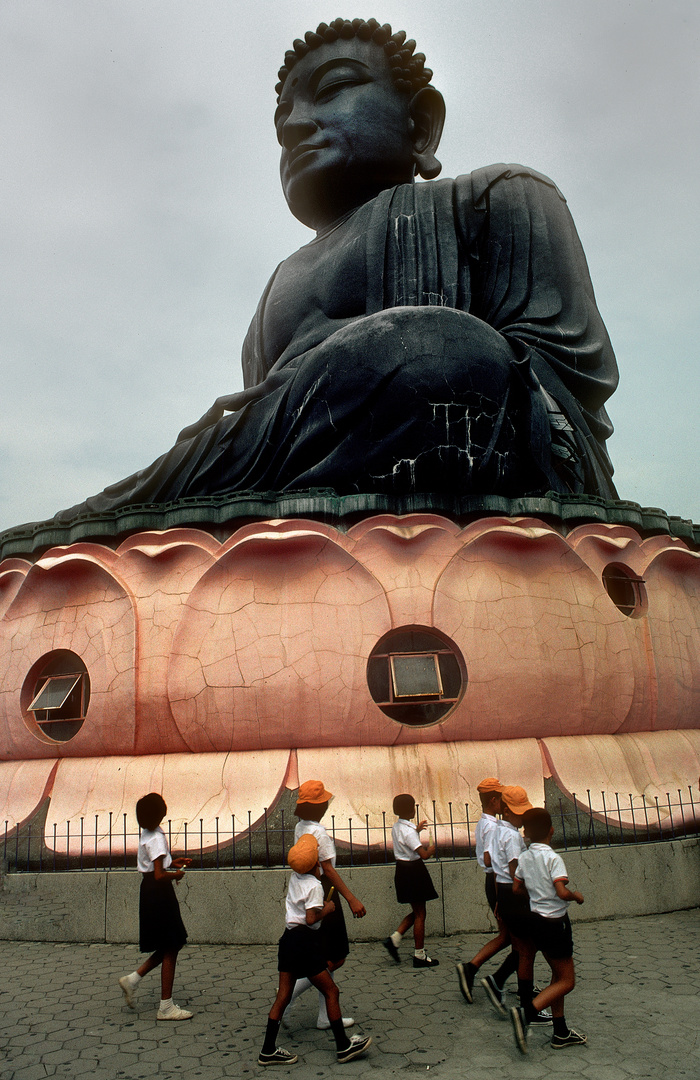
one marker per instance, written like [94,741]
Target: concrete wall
[247,907]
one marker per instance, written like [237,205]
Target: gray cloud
[141,214]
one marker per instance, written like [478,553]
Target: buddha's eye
[331,85]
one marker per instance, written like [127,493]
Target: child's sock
[134,978]
[271,1033]
[507,968]
[561,1028]
[341,1040]
[166,1005]
[420,954]
[396,938]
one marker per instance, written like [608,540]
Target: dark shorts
[552,937]
[413,882]
[333,933]
[160,924]
[490,890]
[514,910]
[301,953]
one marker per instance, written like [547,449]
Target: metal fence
[107,842]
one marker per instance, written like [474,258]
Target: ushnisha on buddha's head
[355,115]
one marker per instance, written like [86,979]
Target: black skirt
[160,924]
[413,882]
[301,952]
[333,932]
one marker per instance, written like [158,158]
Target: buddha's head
[355,115]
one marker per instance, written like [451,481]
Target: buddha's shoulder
[476,184]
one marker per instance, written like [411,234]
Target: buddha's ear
[428,115]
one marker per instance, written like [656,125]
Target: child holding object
[541,875]
[490,796]
[161,930]
[301,955]
[312,803]
[413,883]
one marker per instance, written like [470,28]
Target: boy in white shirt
[541,874]
[490,795]
[302,955]
[412,881]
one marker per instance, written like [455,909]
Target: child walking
[301,956]
[413,883]
[541,874]
[161,930]
[312,803]
[490,796]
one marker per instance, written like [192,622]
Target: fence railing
[109,842]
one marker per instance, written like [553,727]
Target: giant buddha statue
[433,337]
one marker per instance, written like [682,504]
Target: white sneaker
[129,990]
[324,1025]
[173,1013]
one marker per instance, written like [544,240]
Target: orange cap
[489,784]
[313,791]
[516,799]
[304,855]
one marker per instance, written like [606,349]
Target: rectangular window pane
[54,692]
[416,676]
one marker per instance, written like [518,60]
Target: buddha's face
[345,131]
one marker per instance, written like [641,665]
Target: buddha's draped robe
[406,398]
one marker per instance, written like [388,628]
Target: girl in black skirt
[161,930]
[413,883]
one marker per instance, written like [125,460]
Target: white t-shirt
[303,892]
[326,847]
[507,845]
[539,867]
[485,833]
[152,843]
[406,841]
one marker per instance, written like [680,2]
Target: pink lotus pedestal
[223,673]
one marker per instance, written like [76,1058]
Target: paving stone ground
[637,999]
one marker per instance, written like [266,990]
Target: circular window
[56,695]
[416,675]
[625,589]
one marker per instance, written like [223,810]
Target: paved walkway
[637,998]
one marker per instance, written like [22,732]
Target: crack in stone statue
[472,293]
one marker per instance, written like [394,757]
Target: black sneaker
[495,995]
[280,1057]
[357,1047]
[391,949]
[517,1019]
[574,1038]
[465,975]
[543,1017]
[428,962]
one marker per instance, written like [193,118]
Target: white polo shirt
[152,844]
[539,867]
[303,892]
[326,847]
[406,841]
[485,832]
[507,845]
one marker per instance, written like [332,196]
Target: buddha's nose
[297,126]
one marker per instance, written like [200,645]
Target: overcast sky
[141,213]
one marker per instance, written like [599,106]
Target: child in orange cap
[490,796]
[312,803]
[513,908]
[301,955]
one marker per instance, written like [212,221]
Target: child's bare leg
[563,982]
[326,986]
[406,923]
[284,995]
[148,965]
[495,945]
[167,974]
[418,925]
